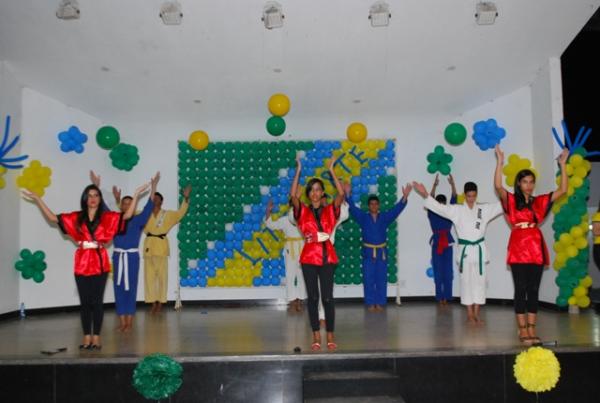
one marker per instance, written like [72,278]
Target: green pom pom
[157,376]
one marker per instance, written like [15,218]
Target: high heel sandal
[534,339]
[524,339]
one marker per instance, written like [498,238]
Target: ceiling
[118,62]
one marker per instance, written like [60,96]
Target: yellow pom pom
[537,369]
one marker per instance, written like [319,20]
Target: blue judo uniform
[441,254]
[126,261]
[374,251]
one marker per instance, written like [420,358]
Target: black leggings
[312,276]
[596,251]
[91,295]
[526,278]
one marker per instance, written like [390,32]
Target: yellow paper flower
[537,369]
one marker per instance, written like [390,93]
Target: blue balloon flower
[487,133]
[72,140]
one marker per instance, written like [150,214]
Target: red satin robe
[312,252]
[92,262]
[526,245]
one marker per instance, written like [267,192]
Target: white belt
[524,225]
[89,245]
[123,265]
[322,236]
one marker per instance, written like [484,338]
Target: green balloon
[455,134]
[27,272]
[107,137]
[20,265]
[38,277]
[25,254]
[39,255]
[562,301]
[275,126]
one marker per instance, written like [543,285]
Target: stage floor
[201,331]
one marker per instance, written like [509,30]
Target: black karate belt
[161,236]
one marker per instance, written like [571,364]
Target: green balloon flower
[124,156]
[439,161]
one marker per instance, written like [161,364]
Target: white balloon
[192,263]
[373,189]
[247,209]
[229,227]
[210,245]
[301,154]
[264,190]
[283,173]
[391,171]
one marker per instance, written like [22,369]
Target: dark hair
[159,195]
[83,215]
[325,196]
[310,184]
[519,196]
[371,198]
[470,187]
[441,199]
[126,197]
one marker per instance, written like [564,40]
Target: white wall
[546,100]
[43,119]
[10,104]
[416,136]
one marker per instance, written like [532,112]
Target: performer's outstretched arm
[448,211]
[454,195]
[498,175]
[436,182]
[129,213]
[294,189]
[339,198]
[40,203]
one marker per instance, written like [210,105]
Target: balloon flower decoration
[198,140]
[35,178]
[72,140]
[31,265]
[516,164]
[571,223]
[439,161]
[537,369]
[6,147]
[123,156]
[157,376]
[455,134]
[2,181]
[487,133]
[279,106]
[356,132]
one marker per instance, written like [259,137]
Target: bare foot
[371,308]
[379,308]
[471,319]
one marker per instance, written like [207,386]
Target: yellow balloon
[579,291]
[565,239]
[198,140]
[279,104]
[583,302]
[581,243]
[571,251]
[570,190]
[575,181]
[460,199]
[576,232]
[561,258]
[558,265]
[576,160]
[586,281]
[558,247]
[580,171]
[356,132]
[572,300]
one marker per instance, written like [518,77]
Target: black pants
[596,251]
[91,295]
[313,275]
[526,278]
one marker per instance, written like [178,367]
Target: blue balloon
[229,244]
[219,245]
[429,272]
[220,255]
[229,236]
[193,282]
[275,281]
[238,242]
[247,235]
[266,281]
[237,227]
[183,282]
[274,272]
[211,254]
[202,282]
[212,272]
[256,281]
[247,227]
[256,227]
[229,254]
[266,272]
[238,237]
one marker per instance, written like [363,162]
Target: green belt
[462,254]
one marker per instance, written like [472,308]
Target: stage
[416,352]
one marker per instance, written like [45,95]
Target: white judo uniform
[472,255]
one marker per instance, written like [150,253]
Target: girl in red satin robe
[527,251]
[91,229]
[318,258]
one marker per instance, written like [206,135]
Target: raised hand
[406,190]
[30,196]
[563,157]
[95,179]
[187,191]
[420,189]
[141,189]
[347,188]
[117,194]
[499,154]
[450,179]
[269,208]
[332,162]
[436,181]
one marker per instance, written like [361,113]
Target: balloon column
[571,225]
[516,164]
[279,106]
[222,239]
[31,265]
[35,178]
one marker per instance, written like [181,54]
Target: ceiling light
[379,14]
[68,10]
[485,13]
[170,12]
[273,15]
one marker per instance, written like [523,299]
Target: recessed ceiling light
[277,70]
[104,68]
[356,101]
[197,101]
[451,68]
[68,10]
